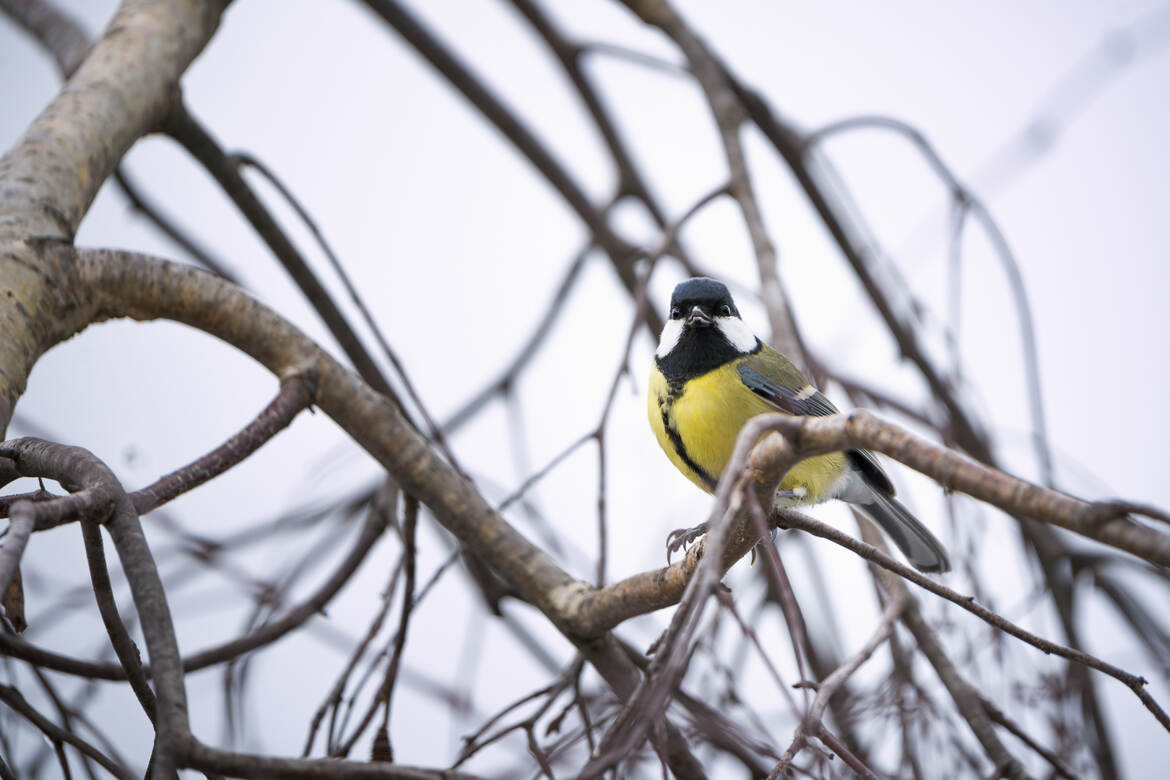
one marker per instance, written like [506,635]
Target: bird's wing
[805,400]
[808,401]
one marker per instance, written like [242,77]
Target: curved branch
[125,284]
[968,201]
[729,115]
[73,466]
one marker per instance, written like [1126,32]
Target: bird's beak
[698,318]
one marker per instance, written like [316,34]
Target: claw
[680,538]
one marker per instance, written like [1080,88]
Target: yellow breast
[697,426]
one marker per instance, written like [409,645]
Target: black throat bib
[698,351]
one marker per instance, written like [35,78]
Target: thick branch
[121,91]
[124,284]
[861,430]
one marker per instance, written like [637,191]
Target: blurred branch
[224,168]
[124,646]
[386,692]
[619,52]
[965,696]
[999,717]
[59,33]
[526,353]
[1133,682]
[140,203]
[968,202]
[13,698]
[333,701]
[811,724]
[729,116]
[1115,54]
[631,180]
[23,521]
[436,433]
[621,253]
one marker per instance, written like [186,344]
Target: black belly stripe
[681,449]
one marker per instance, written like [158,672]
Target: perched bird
[711,375]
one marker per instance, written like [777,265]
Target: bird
[711,374]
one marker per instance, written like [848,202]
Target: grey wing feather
[788,399]
[915,541]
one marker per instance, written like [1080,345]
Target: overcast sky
[457,246]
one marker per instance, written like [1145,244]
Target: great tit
[711,375]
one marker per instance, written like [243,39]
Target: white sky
[457,245]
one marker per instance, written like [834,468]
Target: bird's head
[703,318]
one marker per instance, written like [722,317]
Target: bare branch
[13,698]
[1134,682]
[621,253]
[811,724]
[120,92]
[966,201]
[729,116]
[58,32]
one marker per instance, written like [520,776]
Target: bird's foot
[680,538]
[797,495]
[771,538]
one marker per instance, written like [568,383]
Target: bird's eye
[725,310]
[675,313]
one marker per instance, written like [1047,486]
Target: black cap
[704,292]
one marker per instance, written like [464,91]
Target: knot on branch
[1101,513]
[566,600]
[858,420]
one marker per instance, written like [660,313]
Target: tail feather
[916,542]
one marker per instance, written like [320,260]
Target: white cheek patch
[671,333]
[737,333]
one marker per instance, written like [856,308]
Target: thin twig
[13,698]
[295,395]
[410,556]
[812,724]
[1134,682]
[436,433]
